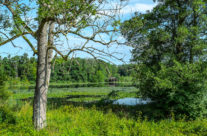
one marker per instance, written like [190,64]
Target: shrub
[180,88]
[5,113]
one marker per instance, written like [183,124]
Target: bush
[5,113]
[180,88]
[80,121]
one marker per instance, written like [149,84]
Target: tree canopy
[170,49]
[172,30]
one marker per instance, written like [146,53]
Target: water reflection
[132,101]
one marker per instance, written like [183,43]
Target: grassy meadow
[82,111]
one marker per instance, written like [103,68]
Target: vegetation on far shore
[21,71]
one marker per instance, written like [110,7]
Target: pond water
[132,101]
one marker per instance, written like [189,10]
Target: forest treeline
[23,68]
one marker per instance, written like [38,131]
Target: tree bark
[45,57]
[40,96]
[49,53]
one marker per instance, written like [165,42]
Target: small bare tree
[49,22]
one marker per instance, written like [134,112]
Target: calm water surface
[132,101]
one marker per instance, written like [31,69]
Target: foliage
[6,115]
[100,77]
[80,120]
[170,52]
[4,95]
[43,24]
[73,121]
[21,70]
[172,30]
[180,89]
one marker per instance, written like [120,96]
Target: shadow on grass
[105,104]
[83,96]
[144,111]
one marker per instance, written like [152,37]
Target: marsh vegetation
[84,111]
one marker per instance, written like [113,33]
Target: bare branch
[17,17]
[30,44]
[13,38]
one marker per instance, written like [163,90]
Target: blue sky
[127,13]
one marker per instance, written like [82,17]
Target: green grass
[89,92]
[81,121]
[70,114]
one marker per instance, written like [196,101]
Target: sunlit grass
[90,92]
[80,121]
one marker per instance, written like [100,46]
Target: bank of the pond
[80,121]
[82,112]
[72,85]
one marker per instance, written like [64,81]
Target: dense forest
[23,68]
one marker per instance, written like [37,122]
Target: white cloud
[137,7]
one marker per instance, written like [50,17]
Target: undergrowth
[79,121]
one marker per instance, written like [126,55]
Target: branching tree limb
[95,22]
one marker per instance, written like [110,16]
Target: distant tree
[100,76]
[125,70]
[72,70]
[170,46]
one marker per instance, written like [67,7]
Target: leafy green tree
[126,69]
[50,23]
[100,77]
[23,68]
[170,49]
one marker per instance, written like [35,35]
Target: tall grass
[69,119]
[80,121]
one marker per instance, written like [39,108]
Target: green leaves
[180,88]
[170,51]
[171,30]
[66,10]
[182,34]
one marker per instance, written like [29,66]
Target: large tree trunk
[40,96]
[43,75]
[49,53]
